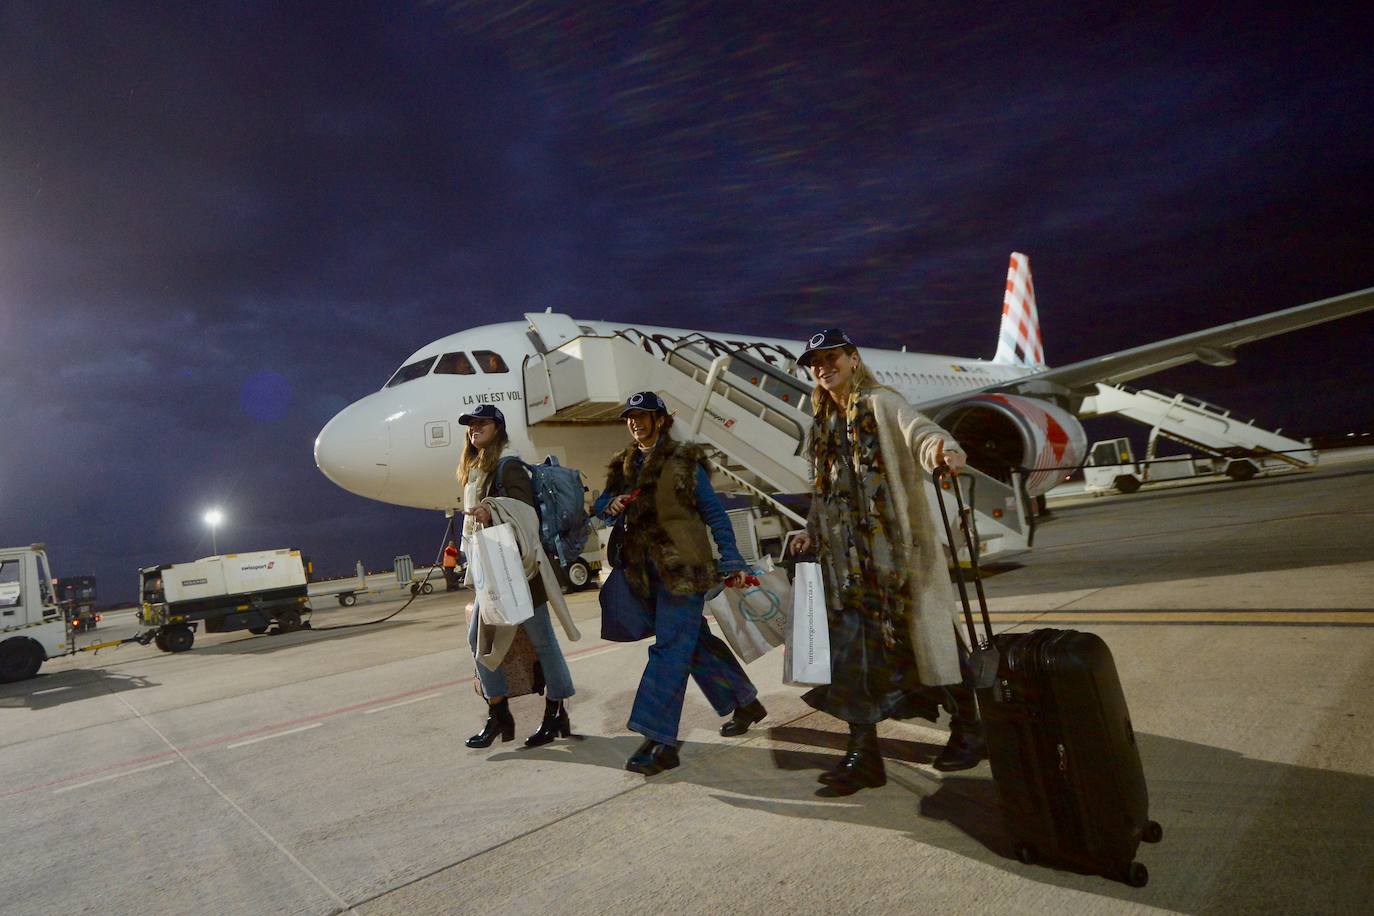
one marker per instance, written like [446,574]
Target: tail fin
[1018,341]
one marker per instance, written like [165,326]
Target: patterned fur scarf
[646,541]
[870,571]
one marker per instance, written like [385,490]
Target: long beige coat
[910,441]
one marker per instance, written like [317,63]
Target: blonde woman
[894,650]
[483,473]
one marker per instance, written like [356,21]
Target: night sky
[222,222]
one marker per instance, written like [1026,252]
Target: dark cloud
[221,222]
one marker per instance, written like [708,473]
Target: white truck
[33,628]
[237,591]
[1112,467]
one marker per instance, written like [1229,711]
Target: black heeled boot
[499,722]
[862,765]
[966,747]
[555,724]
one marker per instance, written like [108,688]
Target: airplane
[401,444]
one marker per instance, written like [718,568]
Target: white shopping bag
[754,618]
[806,660]
[503,594]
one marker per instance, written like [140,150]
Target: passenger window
[489,361]
[412,371]
[454,364]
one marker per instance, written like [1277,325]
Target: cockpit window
[489,361]
[411,371]
[454,364]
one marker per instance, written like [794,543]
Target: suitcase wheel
[1025,854]
[1152,833]
[1137,875]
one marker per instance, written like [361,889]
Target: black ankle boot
[743,717]
[966,745]
[652,758]
[862,765]
[499,722]
[555,724]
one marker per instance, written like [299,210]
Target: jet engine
[1006,432]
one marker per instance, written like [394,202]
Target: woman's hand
[617,505]
[737,579]
[801,544]
[481,515]
[955,461]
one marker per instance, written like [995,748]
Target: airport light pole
[213,518]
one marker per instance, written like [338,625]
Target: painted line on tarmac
[428,696]
[1226,617]
[39,693]
[289,731]
[343,905]
[599,650]
[226,739]
[91,782]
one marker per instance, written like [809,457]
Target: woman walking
[490,468]
[663,490]
[894,649]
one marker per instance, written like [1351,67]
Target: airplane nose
[354,448]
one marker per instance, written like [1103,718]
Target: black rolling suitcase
[1060,742]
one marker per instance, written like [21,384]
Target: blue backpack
[560,503]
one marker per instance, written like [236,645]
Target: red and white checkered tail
[1018,341]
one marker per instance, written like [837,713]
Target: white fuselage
[401,444]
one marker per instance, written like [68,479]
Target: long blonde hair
[860,383]
[481,459]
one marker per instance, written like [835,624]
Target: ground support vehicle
[583,572]
[245,591]
[77,596]
[1112,467]
[345,590]
[33,627]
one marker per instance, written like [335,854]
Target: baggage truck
[237,591]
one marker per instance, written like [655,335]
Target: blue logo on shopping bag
[759,604]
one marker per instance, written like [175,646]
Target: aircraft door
[552,330]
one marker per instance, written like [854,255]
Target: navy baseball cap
[644,400]
[483,412]
[828,339]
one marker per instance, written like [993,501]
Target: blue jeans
[684,645]
[558,683]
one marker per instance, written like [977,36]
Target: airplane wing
[1214,346]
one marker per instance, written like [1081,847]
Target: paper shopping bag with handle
[503,594]
[806,660]
[753,619]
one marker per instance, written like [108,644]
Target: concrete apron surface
[324,771]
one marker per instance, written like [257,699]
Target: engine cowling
[1006,432]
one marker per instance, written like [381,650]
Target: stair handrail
[758,492]
[755,393]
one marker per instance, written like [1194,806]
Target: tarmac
[324,771]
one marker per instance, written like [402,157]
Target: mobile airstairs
[1205,428]
[751,415]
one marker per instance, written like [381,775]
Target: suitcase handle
[943,472]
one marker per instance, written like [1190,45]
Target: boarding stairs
[753,416]
[1200,426]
